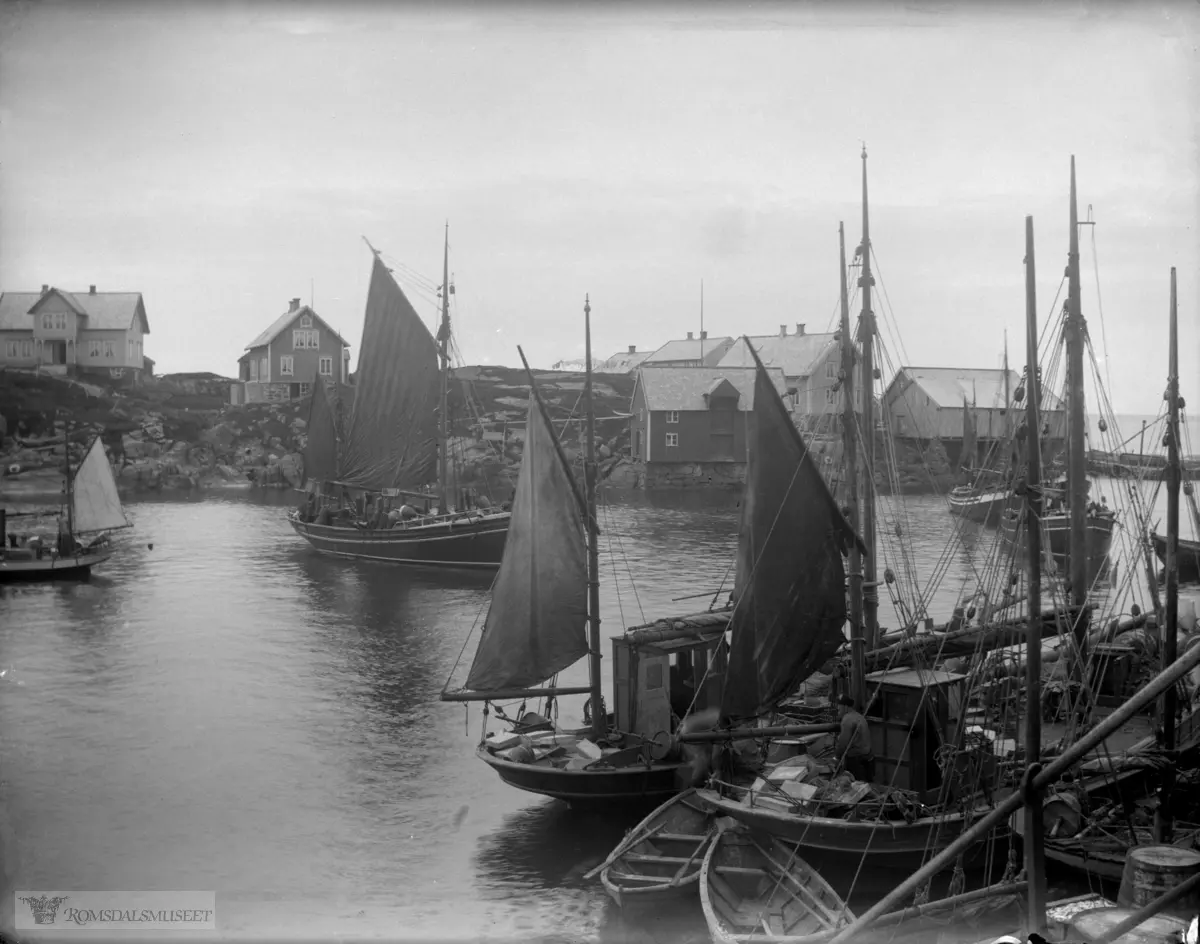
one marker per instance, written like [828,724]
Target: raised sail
[535,626]
[321,450]
[95,505]
[392,440]
[790,582]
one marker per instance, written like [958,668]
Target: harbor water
[221,708]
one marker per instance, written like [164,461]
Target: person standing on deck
[853,748]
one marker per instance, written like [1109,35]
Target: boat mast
[443,338]
[589,488]
[1007,390]
[858,685]
[866,335]
[1075,332]
[1162,816]
[1035,864]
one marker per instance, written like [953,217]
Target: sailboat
[92,511]
[985,499]
[381,489]
[1072,522]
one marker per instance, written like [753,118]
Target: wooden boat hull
[898,844]
[476,542]
[77,567]
[1188,556]
[1057,528]
[984,507]
[603,787]
[759,890]
[664,864]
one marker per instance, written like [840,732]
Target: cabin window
[654,676]
[306,321]
[325,367]
[305,340]
[110,348]
[285,365]
[672,416]
[305,389]
[93,348]
[829,365]
[672,439]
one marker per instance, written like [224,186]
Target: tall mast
[1075,332]
[1162,816]
[443,338]
[1035,864]
[702,322]
[1007,385]
[866,336]
[70,484]
[589,479]
[858,685]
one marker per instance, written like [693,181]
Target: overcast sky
[222,158]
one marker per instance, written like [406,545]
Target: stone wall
[691,474]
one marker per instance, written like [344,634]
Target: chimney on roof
[703,335]
[91,290]
[294,304]
[633,349]
[783,331]
[800,328]
[45,288]
[690,336]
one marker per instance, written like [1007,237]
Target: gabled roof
[684,388]
[794,354]
[623,362]
[691,349]
[280,324]
[105,311]
[947,387]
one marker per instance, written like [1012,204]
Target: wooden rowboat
[661,857]
[755,891]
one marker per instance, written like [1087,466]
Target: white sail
[95,504]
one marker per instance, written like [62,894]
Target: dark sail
[321,450]
[392,439]
[790,583]
[535,626]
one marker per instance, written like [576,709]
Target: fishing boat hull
[754,890]
[475,541]
[1188,556]
[1056,529]
[662,856]
[984,507]
[898,844]
[597,787]
[77,567]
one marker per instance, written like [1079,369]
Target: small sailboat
[755,891]
[92,511]
[661,857]
[382,490]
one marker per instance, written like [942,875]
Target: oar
[631,839]
[700,847]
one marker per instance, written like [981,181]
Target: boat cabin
[659,673]
[911,713]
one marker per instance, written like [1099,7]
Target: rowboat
[661,857]
[754,891]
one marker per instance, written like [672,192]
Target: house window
[307,340]
[672,439]
[263,372]
[830,397]
[829,365]
[10,349]
[110,348]
[93,348]
[305,389]
[254,369]
[285,365]
[672,416]
[55,321]
[132,348]
[306,321]
[325,366]
[27,348]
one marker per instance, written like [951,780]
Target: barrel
[783,748]
[1095,922]
[1152,871]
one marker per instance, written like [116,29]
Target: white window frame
[286,365]
[110,349]
[254,368]
[27,347]
[95,348]
[10,349]
[325,366]
[829,395]
[130,349]
[305,389]
[672,440]
[306,321]
[672,416]
[306,339]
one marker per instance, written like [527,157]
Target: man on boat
[853,747]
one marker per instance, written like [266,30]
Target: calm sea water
[221,708]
